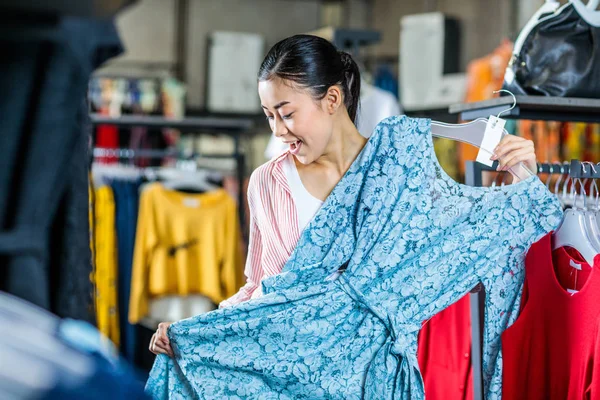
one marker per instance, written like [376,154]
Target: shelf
[532,107]
[436,114]
[191,124]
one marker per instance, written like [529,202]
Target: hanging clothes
[404,241]
[106,271]
[70,259]
[43,76]
[126,194]
[550,350]
[185,244]
[444,353]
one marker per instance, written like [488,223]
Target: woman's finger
[503,149]
[159,348]
[155,347]
[152,340]
[163,349]
[515,157]
[162,332]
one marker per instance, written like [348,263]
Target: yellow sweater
[185,244]
[106,269]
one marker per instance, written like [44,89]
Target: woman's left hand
[513,150]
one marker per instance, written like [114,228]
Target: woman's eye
[288,116]
[269,117]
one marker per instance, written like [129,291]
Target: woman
[309,93]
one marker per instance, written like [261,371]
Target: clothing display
[106,271]
[342,318]
[185,244]
[550,351]
[306,204]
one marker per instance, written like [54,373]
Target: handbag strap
[549,6]
[588,13]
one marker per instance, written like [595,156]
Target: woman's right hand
[159,344]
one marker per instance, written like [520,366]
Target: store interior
[132,129]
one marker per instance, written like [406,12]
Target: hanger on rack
[185,176]
[473,132]
[590,213]
[573,230]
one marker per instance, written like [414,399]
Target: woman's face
[296,118]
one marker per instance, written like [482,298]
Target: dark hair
[315,64]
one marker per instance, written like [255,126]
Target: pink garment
[274,230]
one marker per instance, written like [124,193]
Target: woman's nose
[279,128]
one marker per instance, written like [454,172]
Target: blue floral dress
[395,242]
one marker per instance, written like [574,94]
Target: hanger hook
[514,101]
[559,179]
[597,192]
[594,185]
[549,177]
[583,193]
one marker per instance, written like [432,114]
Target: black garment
[43,78]
[70,256]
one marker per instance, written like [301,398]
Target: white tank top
[306,204]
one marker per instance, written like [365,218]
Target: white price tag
[491,137]
[575,265]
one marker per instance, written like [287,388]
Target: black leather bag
[557,53]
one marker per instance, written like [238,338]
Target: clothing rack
[151,153]
[233,127]
[527,107]
[578,169]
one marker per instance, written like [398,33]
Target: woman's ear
[333,99]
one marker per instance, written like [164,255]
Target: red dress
[548,353]
[444,353]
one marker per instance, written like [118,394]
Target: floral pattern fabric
[411,241]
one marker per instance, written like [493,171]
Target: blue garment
[413,241]
[111,378]
[126,212]
[385,79]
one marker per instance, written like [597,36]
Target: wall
[147,30]
[484,23]
[275,19]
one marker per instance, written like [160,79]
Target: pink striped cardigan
[274,230]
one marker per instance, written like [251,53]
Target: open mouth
[295,146]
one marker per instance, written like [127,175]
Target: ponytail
[351,85]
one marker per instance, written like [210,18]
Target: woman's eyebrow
[278,105]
